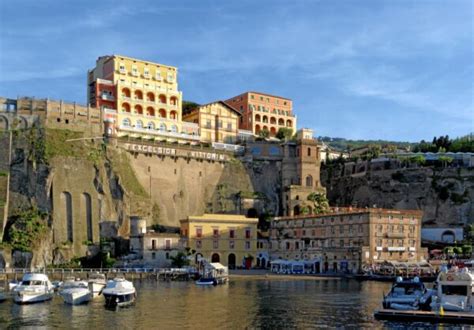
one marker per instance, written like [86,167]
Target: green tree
[445,160]
[319,201]
[180,260]
[284,133]
[264,133]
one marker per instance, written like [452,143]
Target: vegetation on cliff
[445,144]
[121,166]
[25,228]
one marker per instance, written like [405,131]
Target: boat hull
[96,288]
[31,298]
[76,296]
[113,300]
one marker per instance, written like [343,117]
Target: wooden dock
[424,316]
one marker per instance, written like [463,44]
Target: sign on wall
[175,152]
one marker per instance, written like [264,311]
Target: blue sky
[399,70]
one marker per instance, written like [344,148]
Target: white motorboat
[12,284]
[454,290]
[213,274]
[97,283]
[75,292]
[119,292]
[410,294]
[32,289]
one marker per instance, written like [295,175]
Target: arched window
[150,97]
[162,127]
[288,123]
[150,111]
[281,122]
[126,122]
[265,119]
[309,152]
[125,107]
[173,100]
[138,109]
[309,181]
[257,129]
[162,113]
[138,95]
[139,124]
[273,120]
[162,98]
[151,125]
[173,115]
[174,128]
[126,92]
[257,118]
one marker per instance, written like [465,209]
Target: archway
[231,261]
[296,210]
[448,236]
[3,123]
[215,258]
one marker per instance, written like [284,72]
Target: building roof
[139,60]
[335,211]
[260,93]
[220,218]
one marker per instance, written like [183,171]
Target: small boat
[75,292]
[32,289]
[12,284]
[409,294]
[213,273]
[454,290]
[119,292]
[3,295]
[97,283]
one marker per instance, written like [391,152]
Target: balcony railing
[155,132]
[108,97]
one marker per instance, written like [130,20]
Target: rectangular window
[198,232]
[231,244]
[247,233]
[247,245]
[215,244]
[215,232]
[229,126]
[153,255]
[232,233]
[168,244]
[198,244]
[297,245]
[341,243]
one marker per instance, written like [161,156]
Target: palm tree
[320,202]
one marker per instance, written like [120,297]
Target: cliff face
[446,196]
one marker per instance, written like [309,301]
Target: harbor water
[246,302]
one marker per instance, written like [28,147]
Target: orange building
[263,112]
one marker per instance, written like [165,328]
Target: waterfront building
[144,97]
[150,248]
[348,239]
[226,238]
[218,122]
[262,111]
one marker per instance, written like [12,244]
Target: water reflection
[243,303]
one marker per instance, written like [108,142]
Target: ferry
[119,292]
[408,294]
[454,290]
[32,289]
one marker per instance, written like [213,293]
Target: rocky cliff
[446,195]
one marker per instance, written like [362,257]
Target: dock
[424,316]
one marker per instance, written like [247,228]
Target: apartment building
[347,239]
[262,111]
[141,97]
[225,238]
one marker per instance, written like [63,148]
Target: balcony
[146,131]
[107,97]
[395,235]
[396,248]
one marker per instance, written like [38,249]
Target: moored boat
[119,292]
[75,292]
[454,290]
[97,283]
[213,274]
[32,289]
[408,294]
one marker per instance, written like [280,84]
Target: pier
[424,316]
[60,274]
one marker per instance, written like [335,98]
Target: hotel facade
[348,239]
[139,98]
[264,112]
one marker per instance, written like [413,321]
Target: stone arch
[289,123]
[21,122]
[66,203]
[162,98]
[309,181]
[87,207]
[4,123]
[173,100]
[150,97]
[215,257]
[150,111]
[448,236]
[163,127]
[257,129]
[162,113]
[173,115]
[281,122]
[257,117]
[125,107]
[273,120]
[231,261]
[138,109]
[138,94]
[296,210]
[265,119]
[126,92]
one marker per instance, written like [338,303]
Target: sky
[398,70]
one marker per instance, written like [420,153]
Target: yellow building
[145,97]
[225,238]
[218,122]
